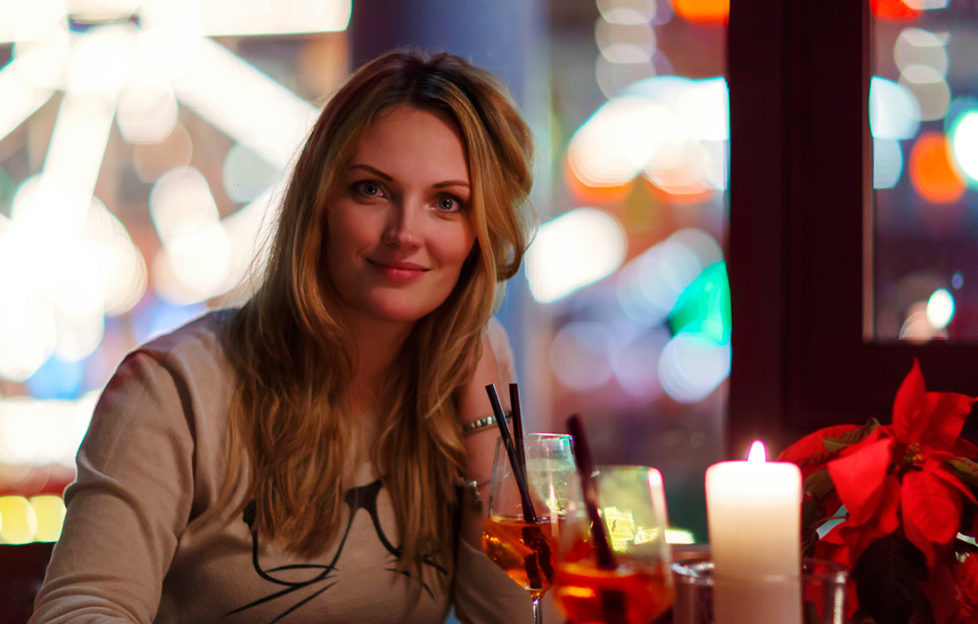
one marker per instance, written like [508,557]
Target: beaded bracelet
[482,423]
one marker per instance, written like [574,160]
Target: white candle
[754,518]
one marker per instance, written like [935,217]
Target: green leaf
[819,484]
[966,469]
[888,578]
[850,437]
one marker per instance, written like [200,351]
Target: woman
[300,459]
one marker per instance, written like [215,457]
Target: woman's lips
[398,271]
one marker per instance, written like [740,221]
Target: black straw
[585,468]
[514,402]
[529,515]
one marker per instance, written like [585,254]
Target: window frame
[801,193]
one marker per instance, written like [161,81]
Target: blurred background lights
[703,11]
[35,519]
[931,170]
[625,43]
[691,367]
[650,285]
[627,11]
[940,308]
[894,112]
[49,511]
[887,163]
[931,89]
[573,250]
[579,355]
[18,521]
[964,141]
[919,47]
[927,5]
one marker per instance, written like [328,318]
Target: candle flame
[757,453]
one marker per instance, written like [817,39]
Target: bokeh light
[931,170]
[703,11]
[692,366]
[18,522]
[940,308]
[580,355]
[892,10]
[894,112]
[964,142]
[49,512]
[887,163]
[573,250]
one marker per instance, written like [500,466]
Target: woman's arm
[494,367]
[130,501]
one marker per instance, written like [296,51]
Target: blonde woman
[301,459]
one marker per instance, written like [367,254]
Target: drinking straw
[514,461]
[585,468]
[514,401]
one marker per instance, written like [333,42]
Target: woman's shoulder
[199,339]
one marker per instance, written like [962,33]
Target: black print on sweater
[363,497]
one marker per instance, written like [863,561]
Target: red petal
[931,505]
[858,477]
[889,519]
[937,467]
[908,420]
[946,412]
[811,445]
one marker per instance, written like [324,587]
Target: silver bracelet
[482,423]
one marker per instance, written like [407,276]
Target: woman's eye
[368,189]
[448,203]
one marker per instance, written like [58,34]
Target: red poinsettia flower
[916,447]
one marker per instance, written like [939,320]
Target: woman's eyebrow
[373,170]
[451,183]
[387,177]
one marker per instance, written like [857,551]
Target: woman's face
[398,229]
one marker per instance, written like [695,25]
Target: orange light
[931,172]
[892,10]
[703,11]
[599,195]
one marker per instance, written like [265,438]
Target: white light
[260,17]
[915,46]
[704,108]
[245,103]
[619,139]
[924,5]
[887,163]
[147,107]
[627,11]
[21,94]
[572,251]
[932,91]
[964,141]
[42,432]
[940,308]
[30,21]
[691,367]
[99,59]
[625,43]
[894,112]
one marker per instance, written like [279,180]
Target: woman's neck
[376,344]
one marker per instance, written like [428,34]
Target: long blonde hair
[290,419]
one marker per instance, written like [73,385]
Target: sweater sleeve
[130,501]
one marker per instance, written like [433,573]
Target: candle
[754,519]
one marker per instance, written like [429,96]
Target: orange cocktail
[526,552]
[628,594]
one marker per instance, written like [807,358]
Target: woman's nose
[402,226]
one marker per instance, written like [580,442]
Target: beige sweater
[145,540]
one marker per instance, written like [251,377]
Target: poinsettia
[898,490]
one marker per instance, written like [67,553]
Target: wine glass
[637,589]
[527,550]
